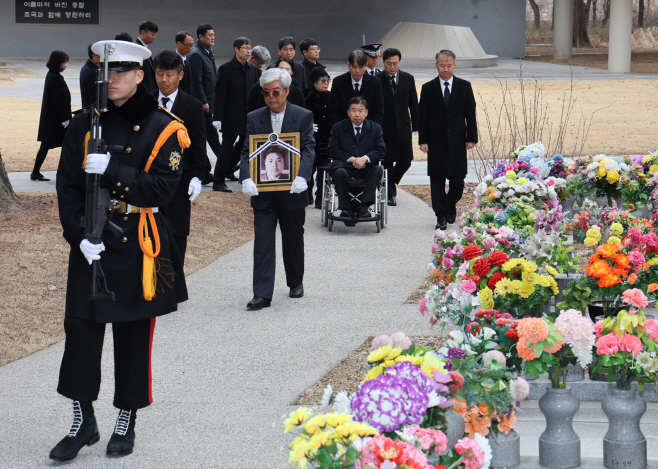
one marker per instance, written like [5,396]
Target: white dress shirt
[277,121]
[142,42]
[354,126]
[354,82]
[443,85]
[184,57]
[172,98]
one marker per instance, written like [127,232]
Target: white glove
[217,125]
[249,187]
[414,132]
[299,185]
[97,162]
[65,124]
[315,127]
[91,251]
[195,188]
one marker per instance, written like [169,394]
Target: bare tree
[640,14]
[537,12]
[580,15]
[8,199]
[594,11]
[606,13]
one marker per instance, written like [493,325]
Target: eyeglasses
[188,45]
[274,93]
[314,49]
[246,47]
[325,81]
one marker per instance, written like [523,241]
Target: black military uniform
[136,126]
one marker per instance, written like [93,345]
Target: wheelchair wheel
[378,224]
[331,224]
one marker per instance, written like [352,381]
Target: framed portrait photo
[274,160]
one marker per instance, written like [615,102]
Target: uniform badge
[174,160]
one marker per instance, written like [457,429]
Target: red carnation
[512,334]
[493,280]
[498,258]
[475,278]
[506,315]
[502,322]
[457,382]
[515,324]
[482,266]
[471,252]
[480,313]
[473,328]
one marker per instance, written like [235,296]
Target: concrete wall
[337,25]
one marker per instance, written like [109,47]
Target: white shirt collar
[354,82]
[277,117]
[172,98]
[181,56]
[396,75]
[142,42]
[354,126]
[370,70]
[443,82]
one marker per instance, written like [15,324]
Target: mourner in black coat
[343,89]
[184,45]
[234,81]
[356,146]
[446,130]
[131,128]
[148,68]
[195,164]
[88,74]
[400,119]
[286,206]
[317,101]
[55,111]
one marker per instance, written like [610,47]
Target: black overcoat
[185,82]
[203,75]
[55,109]
[317,102]
[195,162]
[148,66]
[88,83]
[342,91]
[234,81]
[446,128]
[136,125]
[400,115]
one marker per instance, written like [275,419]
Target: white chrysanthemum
[342,403]
[497,181]
[624,167]
[434,399]
[552,194]
[610,165]
[502,186]
[488,178]
[497,194]
[481,188]
[484,446]
[591,174]
[598,158]
[593,166]
[328,396]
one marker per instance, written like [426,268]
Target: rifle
[97,199]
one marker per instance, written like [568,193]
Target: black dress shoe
[297,292]
[84,431]
[232,177]
[392,201]
[220,188]
[318,205]
[364,212]
[257,303]
[348,214]
[441,224]
[451,219]
[122,441]
[38,177]
[207,179]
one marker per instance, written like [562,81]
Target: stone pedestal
[624,445]
[621,35]
[563,29]
[505,450]
[559,445]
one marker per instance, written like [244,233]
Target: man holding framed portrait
[275,166]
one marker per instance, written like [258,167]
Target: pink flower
[598,327]
[489,243]
[635,297]
[458,250]
[534,171]
[468,286]
[440,235]
[519,389]
[494,355]
[551,182]
[422,306]
[472,453]
[448,252]
[435,247]
[607,345]
[630,343]
[382,340]
[429,437]
[401,340]
[448,263]
[651,329]
[636,258]
[469,234]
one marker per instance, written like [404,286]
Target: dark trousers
[80,373]
[229,155]
[291,223]
[211,133]
[181,244]
[41,157]
[396,170]
[445,205]
[342,176]
[319,180]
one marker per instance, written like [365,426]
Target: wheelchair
[379,210]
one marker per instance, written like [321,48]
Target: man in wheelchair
[356,145]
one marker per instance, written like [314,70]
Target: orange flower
[484,409]
[525,352]
[632,279]
[533,330]
[555,347]
[608,250]
[653,287]
[598,268]
[607,281]
[459,406]
[507,424]
[477,423]
[621,259]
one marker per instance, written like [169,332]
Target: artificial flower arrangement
[626,344]
[604,174]
[641,170]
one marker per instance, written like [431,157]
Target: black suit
[308,66]
[400,119]
[342,91]
[88,83]
[445,129]
[203,78]
[343,145]
[185,83]
[195,165]
[149,70]
[234,81]
[289,209]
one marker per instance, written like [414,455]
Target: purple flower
[456,352]
[458,250]
[489,243]
[469,234]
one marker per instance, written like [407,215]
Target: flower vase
[624,446]
[505,449]
[574,373]
[559,445]
[567,204]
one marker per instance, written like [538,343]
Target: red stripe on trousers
[150,355]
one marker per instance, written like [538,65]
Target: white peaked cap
[122,51]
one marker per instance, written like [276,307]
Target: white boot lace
[122,422]
[77,419]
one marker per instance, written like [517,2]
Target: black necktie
[356,88]
[165,100]
[393,85]
[358,133]
[446,95]
[372,73]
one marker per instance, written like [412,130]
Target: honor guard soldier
[373,53]
[140,170]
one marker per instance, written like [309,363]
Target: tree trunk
[580,36]
[8,199]
[594,11]
[553,17]
[537,12]
[606,13]
[640,14]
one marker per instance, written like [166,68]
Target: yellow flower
[299,440]
[526,289]
[361,430]
[296,418]
[509,265]
[616,229]
[410,358]
[589,242]
[593,233]
[516,286]
[614,240]
[504,286]
[510,174]
[653,168]
[374,372]
[521,181]
[530,277]
[300,453]
[315,424]
[544,280]
[486,298]
[613,176]
[551,271]
[601,172]
[380,354]
[394,353]
[646,159]
[653,261]
[335,419]
[320,439]
[529,266]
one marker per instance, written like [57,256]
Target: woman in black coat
[316,102]
[55,111]
[296,95]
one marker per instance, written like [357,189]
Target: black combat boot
[84,431]
[122,441]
